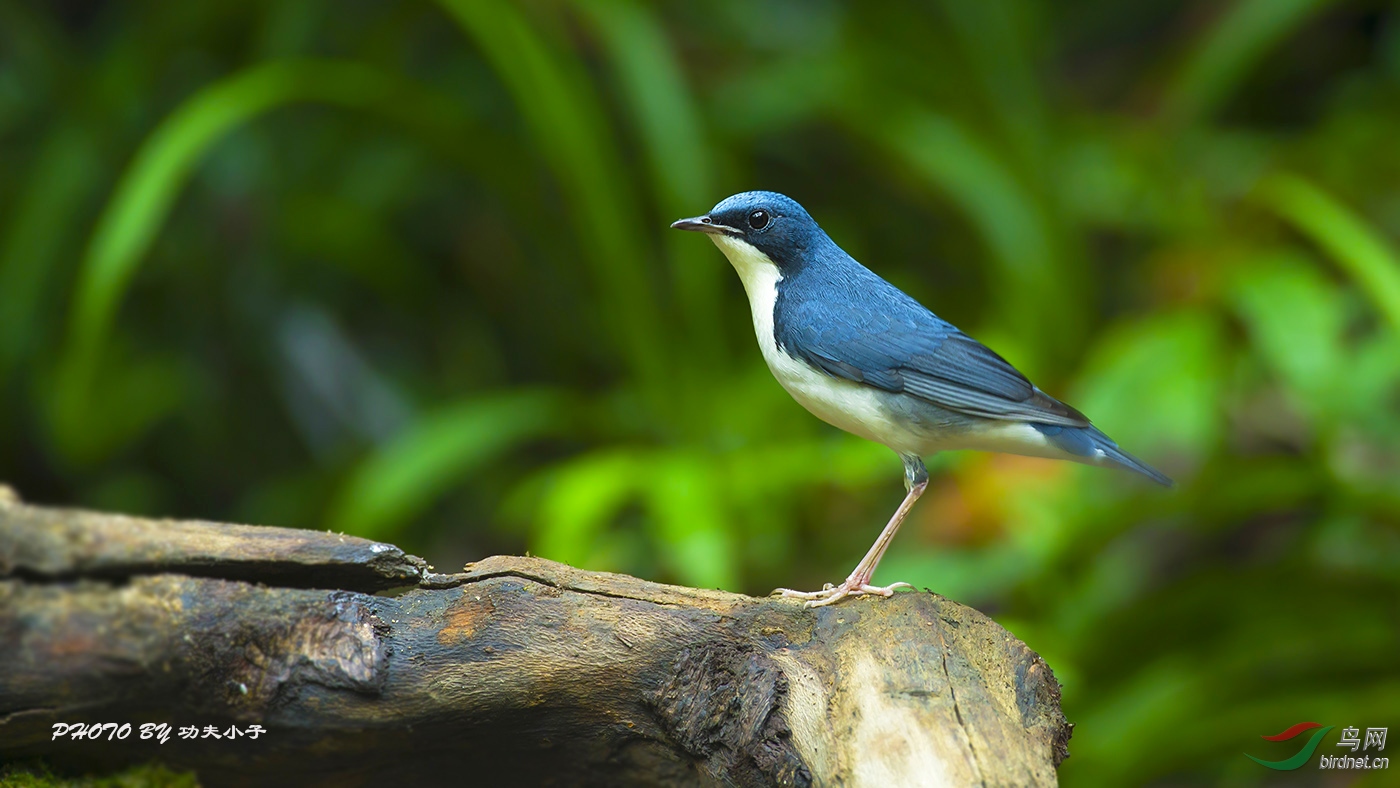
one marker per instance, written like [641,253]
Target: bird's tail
[1089,445]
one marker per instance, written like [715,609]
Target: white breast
[841,403]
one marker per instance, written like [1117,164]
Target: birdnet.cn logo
[1364,750]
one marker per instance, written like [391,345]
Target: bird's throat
[756,270]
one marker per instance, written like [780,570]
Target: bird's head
[764,222]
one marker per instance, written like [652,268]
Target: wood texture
[365,667]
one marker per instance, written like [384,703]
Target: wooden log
[362,666]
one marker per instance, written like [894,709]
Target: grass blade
[146,191]
[62,178]
[398,481]
[1230,49]
[945,155]
[565,118]
[995,42]
[1354,245]
[679,158]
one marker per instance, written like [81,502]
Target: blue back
[840,317]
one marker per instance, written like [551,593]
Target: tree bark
[363,666]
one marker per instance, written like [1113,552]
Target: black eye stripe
[758,219]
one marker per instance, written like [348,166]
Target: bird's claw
[831,594]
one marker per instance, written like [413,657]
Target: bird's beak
[701,224]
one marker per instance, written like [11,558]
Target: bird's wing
[907,349]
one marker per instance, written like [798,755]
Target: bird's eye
[758,220]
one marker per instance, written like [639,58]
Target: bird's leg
[858,583]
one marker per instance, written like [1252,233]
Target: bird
[864,356]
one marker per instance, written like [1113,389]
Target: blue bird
[862,355]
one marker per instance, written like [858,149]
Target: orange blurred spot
[969,506]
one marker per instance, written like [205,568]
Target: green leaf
[679,158]
[995,41]
[566,120]
[135,394]
[356,239]
[684,497]
[1354,245]
[1030,285]
[1230,50]
[147,189]
[63,175]
[581,496]
[768,98]
[660,100]
[161,167]
[401,479]
[1297,320]
[1157,383]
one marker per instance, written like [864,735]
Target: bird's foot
[830,594]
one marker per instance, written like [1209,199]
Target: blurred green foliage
[37,775]
[402,269]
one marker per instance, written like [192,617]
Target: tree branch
[364,666]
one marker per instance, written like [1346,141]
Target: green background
[402,270]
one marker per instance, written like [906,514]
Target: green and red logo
[1302,756]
